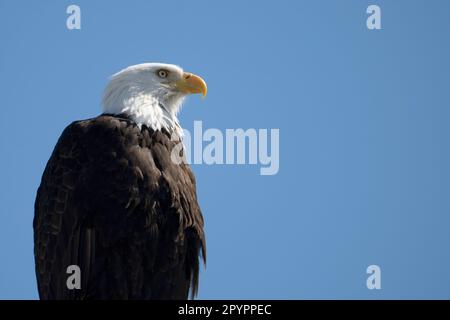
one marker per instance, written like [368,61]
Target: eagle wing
[113,203]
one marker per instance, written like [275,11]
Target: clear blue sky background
[364,127]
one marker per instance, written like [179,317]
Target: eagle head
[151,94]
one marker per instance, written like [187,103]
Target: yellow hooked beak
[191,83]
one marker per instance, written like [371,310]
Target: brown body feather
[112,202]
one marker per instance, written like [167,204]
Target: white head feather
[150,94]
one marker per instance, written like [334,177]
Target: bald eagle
[113,203]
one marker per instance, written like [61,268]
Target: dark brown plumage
[112,202]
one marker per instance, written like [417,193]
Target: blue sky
[363,116]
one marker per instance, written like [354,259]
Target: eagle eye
[162,73]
